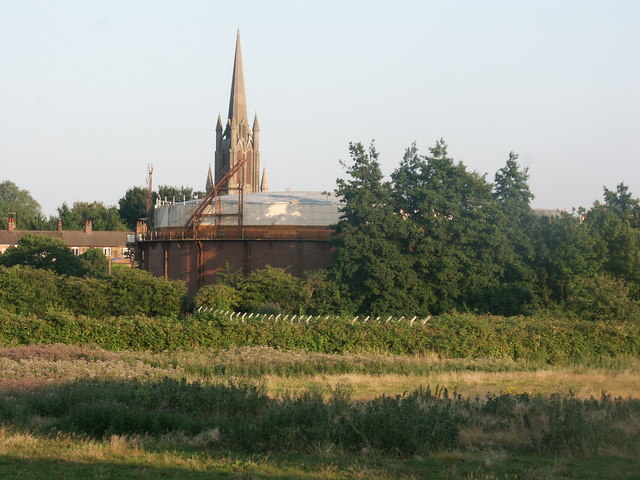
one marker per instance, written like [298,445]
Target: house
[112,244]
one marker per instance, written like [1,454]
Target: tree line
[437,237]
[131,207]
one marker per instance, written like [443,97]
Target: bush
[603,297]
[85,296]
[26,290]
[217,296]
[44,252]
[95,263]
[273,286]
[137,292]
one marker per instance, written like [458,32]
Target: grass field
[77,412]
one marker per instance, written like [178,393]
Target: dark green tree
[133,206]
[566,253]
[458,246]
[25,209]
[41,251]
[622,202]
[95,263]
[173,193]
[511,190]
[619,244]
[371,241]
[102,217]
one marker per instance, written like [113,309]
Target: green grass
[25,456]
[77,412]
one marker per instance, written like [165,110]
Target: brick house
[112,244]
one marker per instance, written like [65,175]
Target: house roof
[73,238]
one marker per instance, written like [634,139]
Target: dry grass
[37,365]
[583,384]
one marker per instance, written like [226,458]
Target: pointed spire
[238,100]
[219,124]
[256,125]
[210,185]
[264,184]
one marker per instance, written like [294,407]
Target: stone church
[239,222]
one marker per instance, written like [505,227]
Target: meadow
[72,411]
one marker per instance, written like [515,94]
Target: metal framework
[199,213]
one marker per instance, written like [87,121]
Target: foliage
[102,217]
[133,291]
[451,336]
[42,251]
[218,296]
[272,286]
[133,206]
[27,290]
[324,294]
[25,209]
[85,296]
[95,263]
[370,241]
[177,194]
[603,297]
[239,415]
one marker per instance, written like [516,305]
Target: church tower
[235,140]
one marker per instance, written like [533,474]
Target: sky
[91,92]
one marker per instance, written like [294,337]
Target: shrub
[133,292]
[85,296]
[218,296]
[274,286]
[95,263]
[603,297]
[27,290]
[41,251]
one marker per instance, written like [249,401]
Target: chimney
[59,225]
[141,227]
[11,224]
[88,226]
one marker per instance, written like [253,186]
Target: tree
[566,253]
[133,206]
[101,216]
[177,194]
[20,203]
[511,187]
[41,251]
[458,246]
[371,243]
[622,203]
[511,190]
[95,263]
[618,242]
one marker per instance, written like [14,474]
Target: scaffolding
[212,199]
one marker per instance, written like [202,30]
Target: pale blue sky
[92,91]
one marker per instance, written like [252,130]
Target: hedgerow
[450,336]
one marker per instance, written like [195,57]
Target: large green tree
[511,190]
[102,217]
[458,246]
[566,253]
[133,206]
[41,251]
[371,242]
[25,209]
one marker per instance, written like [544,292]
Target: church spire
[210,185]
[238,100]
[238,141]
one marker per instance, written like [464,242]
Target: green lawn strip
[47,459]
